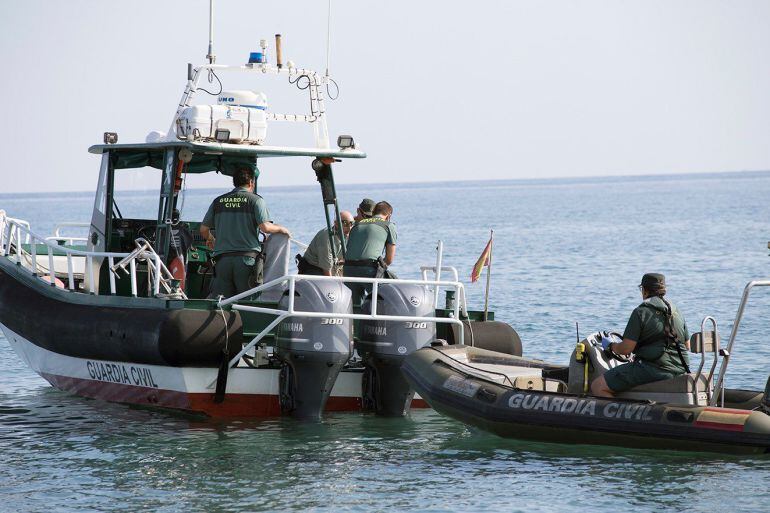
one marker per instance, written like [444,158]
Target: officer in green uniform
[365,209]
[368,239]
[318,260]
[231,227]
[657,336]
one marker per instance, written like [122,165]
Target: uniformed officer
[236,218]
[365,209]
[318,259]
[368,240]
[657,336]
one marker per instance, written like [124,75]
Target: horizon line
[693,174]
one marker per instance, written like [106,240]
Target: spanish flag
[482,261]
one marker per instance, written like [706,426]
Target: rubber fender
[491,335]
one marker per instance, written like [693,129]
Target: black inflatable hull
[447,386]
[167,336]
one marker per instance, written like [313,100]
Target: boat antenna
[577,332]
[210,56]
[328,35]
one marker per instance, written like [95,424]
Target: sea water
[565,251]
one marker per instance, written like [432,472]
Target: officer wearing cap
[231,227]
[318,259]
[368,240]
[365,209]
[657,336]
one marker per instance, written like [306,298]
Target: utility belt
[257,270]
[252,254]
[379,264]
[369,262]
[305,267]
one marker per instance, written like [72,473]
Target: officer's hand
[606,341]
[286,231]
[210,243]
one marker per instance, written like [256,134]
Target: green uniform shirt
[235,218]
[646,327]
[319,254]
[368,238]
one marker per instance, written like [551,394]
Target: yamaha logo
[331,296]
[415,300]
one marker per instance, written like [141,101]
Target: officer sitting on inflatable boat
[236,219]
[657,336]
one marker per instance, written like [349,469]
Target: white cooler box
[246,124]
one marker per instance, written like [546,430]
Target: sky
[431,90]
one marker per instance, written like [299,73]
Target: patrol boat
[126,317]
[524,398]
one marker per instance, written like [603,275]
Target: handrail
[424,269]
[11,234]
[726,353]
[291,312]
[57,236]
[715,350]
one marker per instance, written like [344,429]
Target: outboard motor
[313,349]
[383,345]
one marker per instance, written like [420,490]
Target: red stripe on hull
[234,405]
[718,425]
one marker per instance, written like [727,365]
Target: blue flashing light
[256,58]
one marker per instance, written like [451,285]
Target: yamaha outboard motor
[313,349]
[383,345]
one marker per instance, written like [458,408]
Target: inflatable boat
[529,399]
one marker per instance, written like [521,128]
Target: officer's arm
[390,253]
[270,227]
[623,348]
[206,234]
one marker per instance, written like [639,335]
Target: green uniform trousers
[359,290]
[627,376]
[233,275]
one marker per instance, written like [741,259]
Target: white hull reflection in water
[559,258]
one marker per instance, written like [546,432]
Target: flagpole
[489,273]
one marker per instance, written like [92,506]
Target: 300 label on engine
[415,325]
[328,320]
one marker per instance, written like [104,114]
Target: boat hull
[250,392]
[563,418]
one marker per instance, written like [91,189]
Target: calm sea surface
[565,251]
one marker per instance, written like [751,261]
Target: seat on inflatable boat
[682,389]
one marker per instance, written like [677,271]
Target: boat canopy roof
[209,157]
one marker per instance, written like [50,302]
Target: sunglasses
[347,223]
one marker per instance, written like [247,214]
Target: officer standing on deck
[318,260]
[368,239]
[236,219]
[657,336]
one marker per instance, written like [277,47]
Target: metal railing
[425,269]
[15,233]
[292,279]
[727,353]
[67,239]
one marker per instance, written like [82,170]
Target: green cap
[367,206]
[654,282]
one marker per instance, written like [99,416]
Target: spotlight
[345,142]
[110,137]
[222,135]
